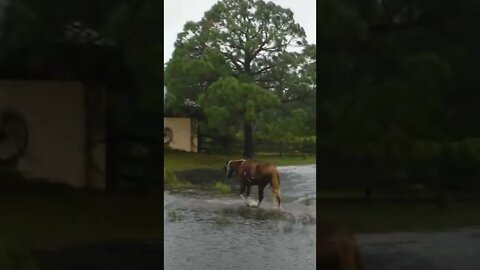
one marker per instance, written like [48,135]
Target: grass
[221,220]
[172,182]
[388,217]
[32,221]
[222,187]
[177,161]
[174,216]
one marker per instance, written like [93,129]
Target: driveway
[456,249]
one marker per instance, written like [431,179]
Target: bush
[171,181]
[222,187]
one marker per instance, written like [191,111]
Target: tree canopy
[243,59]
[396,74]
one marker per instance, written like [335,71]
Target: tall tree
[252,49]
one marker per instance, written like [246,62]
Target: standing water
[204,231]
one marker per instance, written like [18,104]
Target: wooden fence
[210,144]
[439,180]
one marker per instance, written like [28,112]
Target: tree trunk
[248,150]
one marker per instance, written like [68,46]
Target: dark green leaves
[229,103]
[244,59]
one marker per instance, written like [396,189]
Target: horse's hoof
[252,203]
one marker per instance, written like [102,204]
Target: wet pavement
[205,230]
[210,232]
[456,249]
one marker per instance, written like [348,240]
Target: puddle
[204,230]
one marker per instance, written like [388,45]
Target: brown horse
[251,173]
[337,249]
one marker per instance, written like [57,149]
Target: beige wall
[55,115]
[184,133]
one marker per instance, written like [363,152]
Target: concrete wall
[184,133]
[55,116]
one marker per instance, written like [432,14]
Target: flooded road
[454,249]
[207,231]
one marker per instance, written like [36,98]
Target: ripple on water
[222,233]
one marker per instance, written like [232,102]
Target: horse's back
[262,167]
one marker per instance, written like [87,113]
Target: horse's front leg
[248,195]
[242,191]
[248,191]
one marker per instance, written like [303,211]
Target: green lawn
[30,221]
[176,161]
[387,217]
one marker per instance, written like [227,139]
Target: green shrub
[174,216]
[171,181]
[222,187]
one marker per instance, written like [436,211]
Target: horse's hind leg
[261,187]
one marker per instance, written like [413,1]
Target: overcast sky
[178,12]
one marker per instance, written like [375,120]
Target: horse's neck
[239,168]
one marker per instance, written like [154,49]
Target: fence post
[199,143]
[304,148]
[281,148]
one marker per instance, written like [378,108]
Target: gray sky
[178,12]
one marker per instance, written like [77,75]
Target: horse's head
[232,166]
[228,169]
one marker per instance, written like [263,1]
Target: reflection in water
[207,232]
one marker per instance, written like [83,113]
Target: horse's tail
[277,195]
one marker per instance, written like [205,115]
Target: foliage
[222,187]
[134,27]
[174,215]
[393,80]
[171,181]
[239,61]
[221,103]
[285,129]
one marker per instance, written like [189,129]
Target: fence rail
[207,144]
[436,180]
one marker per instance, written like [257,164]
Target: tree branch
[234,61]
[261,70]
[295,99]
[261,47]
